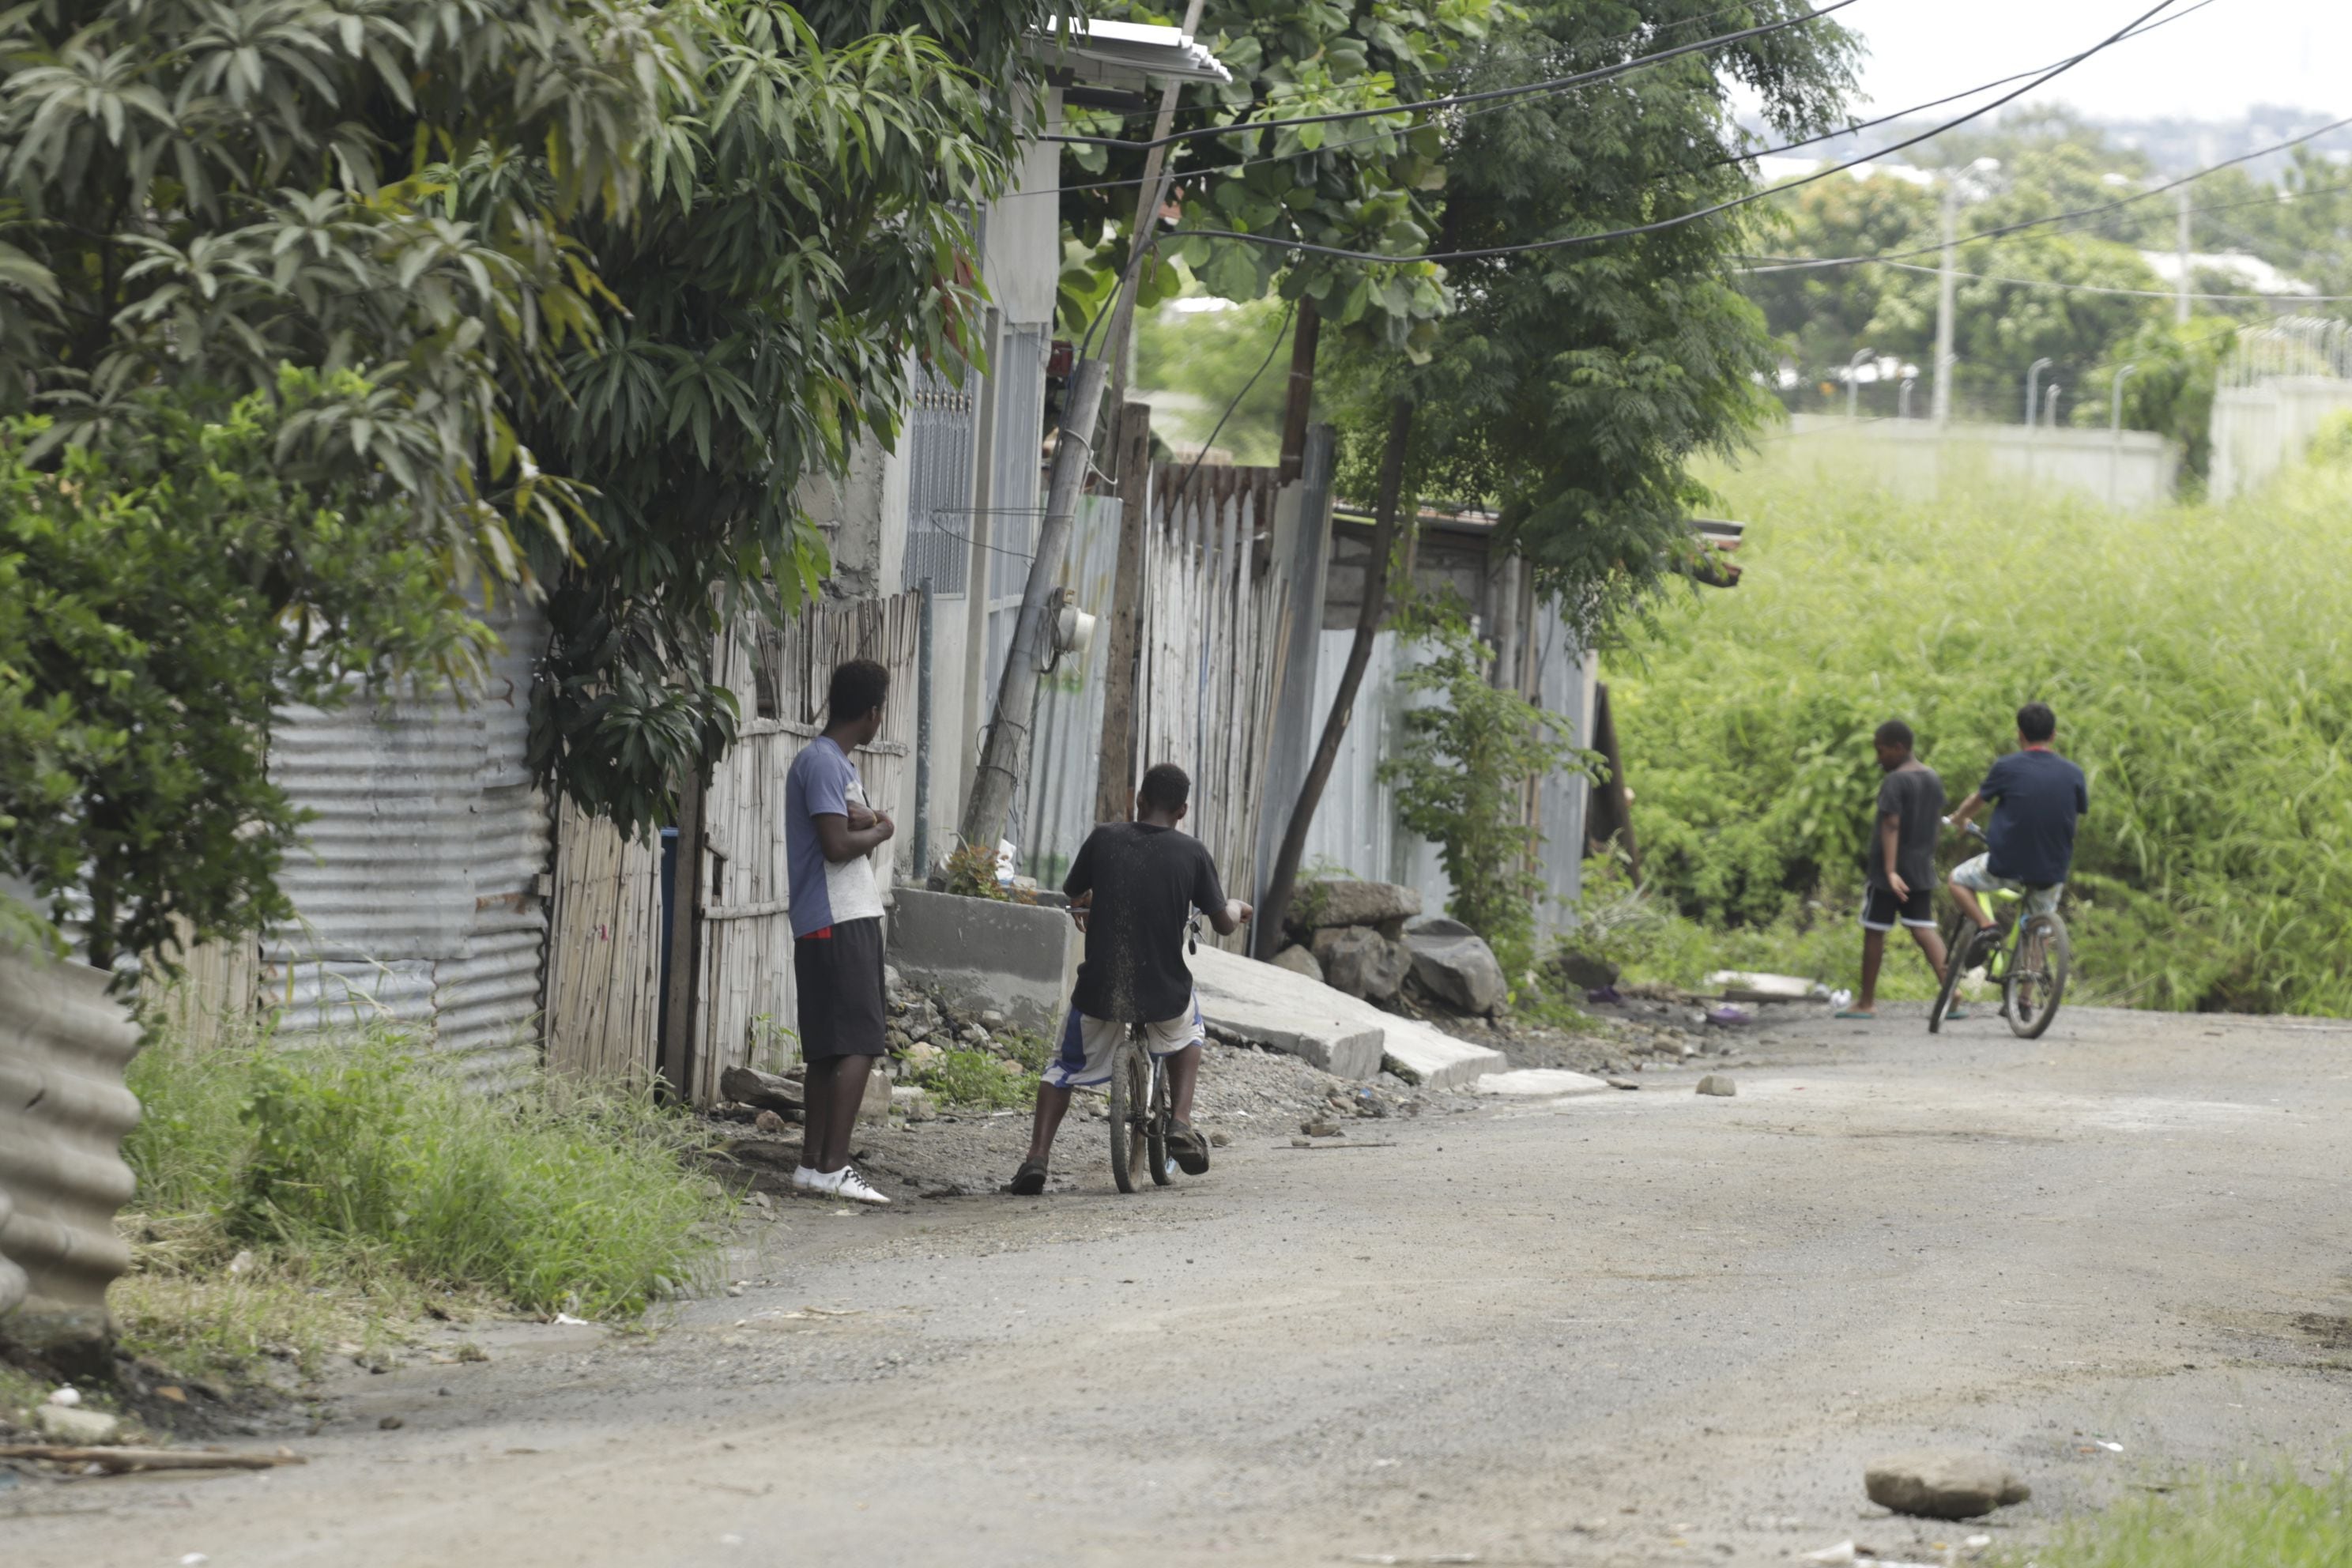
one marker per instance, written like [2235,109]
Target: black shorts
[839,977]
[1881,909]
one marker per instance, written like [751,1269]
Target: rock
[1360,962]
[70,1423]
[1943,1483]
[769,1122]
[891,985]
[1584,971]
[912,1103]
[1719,1083]
[876,1105]
[1220,1140]
[1437,925]
[749,1086]
[1351,903]
[390,1423]
[1622,1083]
[993,1020]
[1460,970]
[1300,961]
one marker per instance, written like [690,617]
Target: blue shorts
[1084,1059]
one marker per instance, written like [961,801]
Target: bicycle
[2029,956]
[1142,1106]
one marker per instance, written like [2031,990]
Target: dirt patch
[2329,1331]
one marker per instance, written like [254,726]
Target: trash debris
[1840,999]
[1747,985]
[2110,1448]
[1603,996]
[566,1320]
[68,1396]
[1844,1552]
[1726,1017]
[1979,1541]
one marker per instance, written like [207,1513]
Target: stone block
[981,955]
[1348,902]
[1299,961]
[1458,970]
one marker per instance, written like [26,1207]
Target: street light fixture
[1853,380]
[2033,388]
[2115,432]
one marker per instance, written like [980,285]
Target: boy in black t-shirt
[1131,888]
[1902,879]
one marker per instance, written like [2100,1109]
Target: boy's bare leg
[850,1076]
[1873,955]
[1183,1074]
[816,1109]
[1931,942]
[1967,899]
[1052,1104]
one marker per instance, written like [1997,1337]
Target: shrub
[2236,1522]
[976,1078]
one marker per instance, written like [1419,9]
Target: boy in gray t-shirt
[1902,879]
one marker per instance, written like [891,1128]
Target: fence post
[923,734]
[1115,778]
[1294,704]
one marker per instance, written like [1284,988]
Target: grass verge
[2239,1522]
[291,1201]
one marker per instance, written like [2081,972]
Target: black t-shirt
[2038,795]
[1913,796]
[1145,880]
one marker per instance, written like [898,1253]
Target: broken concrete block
[1360,962]
[1299,961]
[1346,902]
[1943,1483]
[1459,969]
[1719,1083]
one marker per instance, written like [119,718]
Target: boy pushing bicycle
[1132,889]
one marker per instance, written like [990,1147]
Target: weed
[977,1078]
[2237,1521]
[290,1198]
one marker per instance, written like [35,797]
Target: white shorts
[1977,876]
[1084,1059]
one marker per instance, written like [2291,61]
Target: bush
[2198,661]
[977,1078]
[359,1160]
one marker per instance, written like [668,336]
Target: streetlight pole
[2033,389]
[1903,398]
[2181,289]
[1853,381]
[2115,432]
[1946,286]
[2050,406]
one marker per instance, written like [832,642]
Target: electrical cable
[1802,264]
[1303,248]
[1555,84]
[1281,330]
[2103,289]
[1859,125]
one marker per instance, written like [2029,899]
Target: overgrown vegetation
[1462,770]
[2198,661]
[291,1198]
[2235,1522]
[977,1078]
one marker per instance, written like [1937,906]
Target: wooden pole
[1284,878]
[685,934]
[1300,398]
[1114,783]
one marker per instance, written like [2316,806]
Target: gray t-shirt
[1913,796]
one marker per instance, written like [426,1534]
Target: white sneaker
[846,1182]
[806,1178]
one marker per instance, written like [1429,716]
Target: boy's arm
[1209,897]
[1890,827]
[1967,809]
[829,807]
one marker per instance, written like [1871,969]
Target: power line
[1248,387]
[1303,248]
[1802,264]
[1741,157]
[2103,289]
[1455,100]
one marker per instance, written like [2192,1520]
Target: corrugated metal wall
[418,901]
[1057,808]
[63,1111]
[942,441]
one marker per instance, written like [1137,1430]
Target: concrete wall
[64,1043]
[1022,959]
[1915,458]
[2257,430]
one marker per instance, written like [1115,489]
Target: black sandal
[1191,1150]
[1029,1180]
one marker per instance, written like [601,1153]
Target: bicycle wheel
[1956,950]
[1163,1171]
[2037,976]
[1126,1097]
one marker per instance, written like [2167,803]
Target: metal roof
[1127,53]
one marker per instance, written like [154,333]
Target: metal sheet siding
[418,902]
[63,1111]
[1564,677]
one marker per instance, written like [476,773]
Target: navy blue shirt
[2037,796]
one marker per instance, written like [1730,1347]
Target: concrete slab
[1540,1082]
[1285,1011]
[1337,1032]
[1420,1053]
[1021,959]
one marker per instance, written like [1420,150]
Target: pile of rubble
[1364,938]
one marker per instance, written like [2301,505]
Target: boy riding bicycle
[1133,890]
[2039,797]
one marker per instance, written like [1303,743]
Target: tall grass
[2280,1522]
[359,1165]
[2199,660]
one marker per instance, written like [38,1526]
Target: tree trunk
[1300,400]
[1351,680]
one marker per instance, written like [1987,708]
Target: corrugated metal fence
[416,892]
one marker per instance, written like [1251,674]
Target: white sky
[2212,65]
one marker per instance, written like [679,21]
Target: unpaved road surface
[1649,1328]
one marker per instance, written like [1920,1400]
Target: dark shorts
[840,981]
[1881,909]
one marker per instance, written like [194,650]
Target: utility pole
[1004,760]
[2181,289]
[1150,197]
[1947,288]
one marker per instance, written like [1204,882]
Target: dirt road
[1649,1328]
